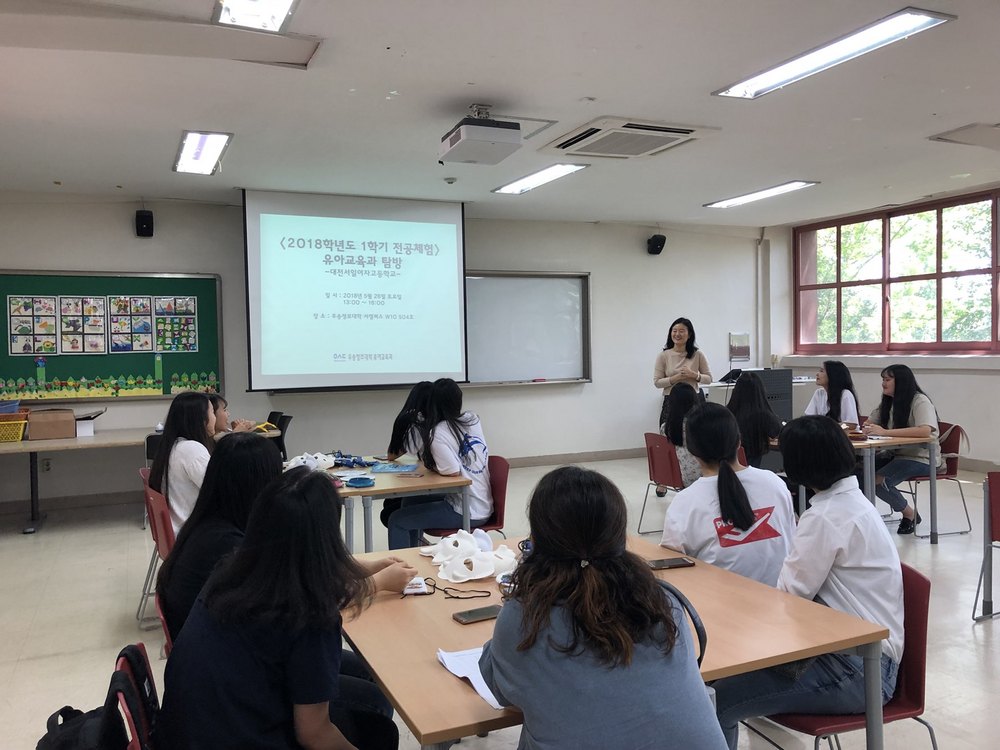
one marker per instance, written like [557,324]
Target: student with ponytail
[588,645]
[736,517]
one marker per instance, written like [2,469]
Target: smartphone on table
[479,614]
[671,562]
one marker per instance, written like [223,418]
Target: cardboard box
[47,424]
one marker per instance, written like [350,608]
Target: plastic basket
[11,432]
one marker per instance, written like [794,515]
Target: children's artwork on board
[142,324]
[95,306]
[142,342]
[19,305]
[93,324]
[44,344]
[165,305]
[43,305]
[20,326]
[45,325]
[71,305]
[94,343]
[121,342]
[71,344]
[120,305]
[141,305]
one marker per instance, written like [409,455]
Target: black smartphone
[479,614]
[671,562]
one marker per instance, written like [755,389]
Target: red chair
[991,537]
[949,444]
[499,469]
[664,470]
[908,700]
[162,531]
[137,698]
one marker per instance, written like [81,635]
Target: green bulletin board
[81,335]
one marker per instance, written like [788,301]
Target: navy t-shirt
[208,543]
[228,686]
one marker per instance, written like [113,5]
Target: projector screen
[349,292]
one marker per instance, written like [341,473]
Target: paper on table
[348,473]
[466,664]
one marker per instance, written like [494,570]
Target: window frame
[885,346]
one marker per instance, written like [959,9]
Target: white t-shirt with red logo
[693,526]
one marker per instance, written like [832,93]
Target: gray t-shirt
[658,701]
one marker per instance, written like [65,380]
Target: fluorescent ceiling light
[201,153]
[891,29]
[259,15]
[761,194]
[539,178]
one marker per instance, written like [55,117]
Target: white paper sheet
[466,664]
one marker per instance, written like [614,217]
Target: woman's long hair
[714,437]
[753,413]
[899,403]
[444,411]
[578,561]
[293,569]
[689,345]
[682,399]
[242,465]
[187,418]
[838,380]
[410,416]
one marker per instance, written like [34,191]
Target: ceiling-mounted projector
[479,140]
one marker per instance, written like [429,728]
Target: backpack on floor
[100,729]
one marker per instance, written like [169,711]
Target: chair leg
[988,613]
[642,513]
[965,507]
[140,613]
[930,731]
[764,737]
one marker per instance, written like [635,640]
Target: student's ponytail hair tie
[584,563]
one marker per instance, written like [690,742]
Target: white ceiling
[95,95]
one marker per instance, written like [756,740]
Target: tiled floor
[68,596]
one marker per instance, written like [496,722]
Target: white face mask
[460,543]
[468,567]
[504,560]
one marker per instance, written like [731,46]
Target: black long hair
[187,418]
[682,399]
[242,465]
[714,437]
[816,452]
[578,561]
[293,569]
[901,400]
[753,414]
[411,415]
[838,380]
[444,411]
[689,346]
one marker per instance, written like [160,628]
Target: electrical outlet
[46,464]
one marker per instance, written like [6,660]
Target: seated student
[758,422]
[223,425]
[405,437]
[835,397]
[842,556]
[257,662]
[452,444]
[241,466]
[593,651]
[182,457]
[735,516]
[683,398]
[905,411]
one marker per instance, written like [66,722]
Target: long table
[102,439]
[126,438]
[750,626]
[395,485]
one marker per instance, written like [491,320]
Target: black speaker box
[654,245]
[143,223]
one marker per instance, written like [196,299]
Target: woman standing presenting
[679,362]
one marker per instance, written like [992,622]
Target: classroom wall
[709,275]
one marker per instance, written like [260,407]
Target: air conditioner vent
[621,138]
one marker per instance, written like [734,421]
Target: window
[923,280]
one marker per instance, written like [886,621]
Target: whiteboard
[528,327]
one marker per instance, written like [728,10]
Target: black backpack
[104,728]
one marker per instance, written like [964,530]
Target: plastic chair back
[283,421]
[152,445]
[993,498]
[951,446]
[499,472]
[274,416]
[160,527]
[661,456]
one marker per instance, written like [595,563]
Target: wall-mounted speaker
[143,223]
[654,245]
